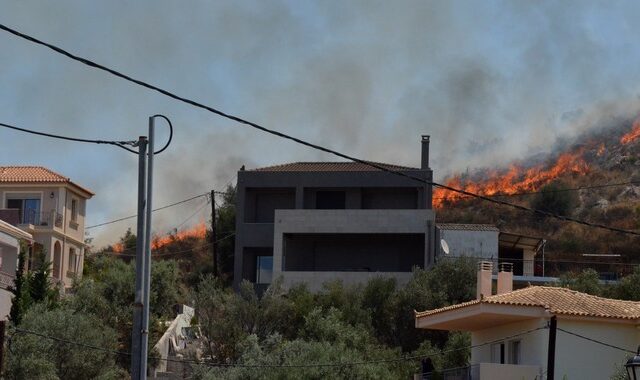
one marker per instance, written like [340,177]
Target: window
[28,210]
[330,200]
[514,352]
[264,269]
[497,353]
[74,210]
[72,260]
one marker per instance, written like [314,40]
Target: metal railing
[45,219]
[6,280]
[607,270]
[471,372]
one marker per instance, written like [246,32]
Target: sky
[490,81]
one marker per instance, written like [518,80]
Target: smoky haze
[489,81]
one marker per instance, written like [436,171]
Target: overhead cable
[306,143]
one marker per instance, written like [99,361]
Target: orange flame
[633,134]
[118,247]
[515,180]
[198,231]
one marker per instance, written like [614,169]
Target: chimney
[424,163]
[505,278]
[485,272]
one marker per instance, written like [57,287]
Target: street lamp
[633,366]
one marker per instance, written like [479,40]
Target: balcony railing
[45,219]
[484,371]
[607,271]
[6,280]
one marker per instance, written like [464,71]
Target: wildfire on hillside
[515,180]
[633,134]
[518,179]
[199,231]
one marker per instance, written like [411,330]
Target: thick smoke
[490,82]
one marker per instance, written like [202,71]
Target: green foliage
[587,281]
[225,228]
[628,288]
[20,289]
[34,357]
[552,200]
[32,287]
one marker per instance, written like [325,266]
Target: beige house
[10,238]
[52,209]
[510,330]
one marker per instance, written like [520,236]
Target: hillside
[594,178]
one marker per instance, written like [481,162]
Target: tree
[225,232]
[32,287]
[37,357]
[587,281]
[20,289]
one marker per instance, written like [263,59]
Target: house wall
[469,243]
[576,358]
[362,189]
[70,233]
[533,345]
[379,222]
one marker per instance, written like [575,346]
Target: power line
[345,364]
[120,144]
[156,209]
[306,143]
[154,254]
[595,341]
[553,191]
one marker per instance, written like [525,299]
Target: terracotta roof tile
[561,301]
[330,167]
[34,174]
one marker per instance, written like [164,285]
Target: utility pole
[3,325]
[140,333]
[214,239]
[551,350]
[136,334]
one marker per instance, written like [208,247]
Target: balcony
[6,280]
[48,219]
[484,371]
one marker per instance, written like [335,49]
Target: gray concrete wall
[469,243]
[380,185]
[344,222]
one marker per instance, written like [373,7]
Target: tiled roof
[330,167]
[560,301]
[467,227]
[34,174]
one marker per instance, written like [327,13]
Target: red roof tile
[557,301]
[34,174]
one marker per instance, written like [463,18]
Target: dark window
[29,209]
[330,200]
[264,269]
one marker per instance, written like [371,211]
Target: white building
[10,238]
[510,331]
[51,208]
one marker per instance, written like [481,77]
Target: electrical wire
[306,143]
[236,365]
[553,191]
[154,210]
[595,341]
[121,144]
[155,254]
